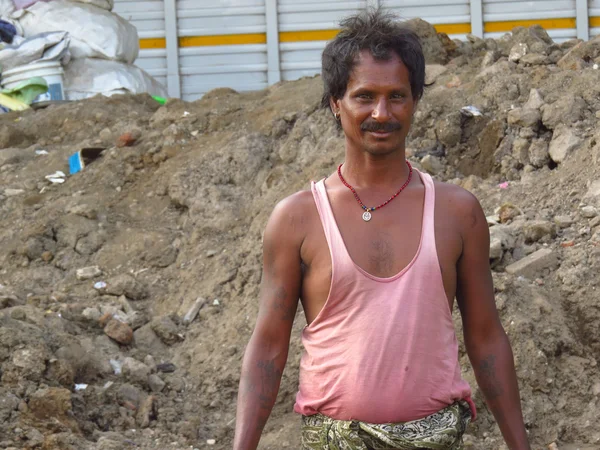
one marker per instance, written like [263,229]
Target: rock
[432,164]
[538,153]
[533,59]
[566,110]
[166,330]
[128,393]
[146,412]
[490,58]
[126,140]
[433,72]
[535,100]
[531,266]
[524,117]
[577,58]
[135,371]
[87,273]
[538,229]
[501,240]
[119,331]
[433,46]
[593,192]
[13,192]
[520,150]
[83,210]
[507,212]
[564,141]
[51,403]
[589,212]
[517,52]
[156,383]
[125,285]
[9,300]
[136,319]
[563,221]
[448,130]
[147,341]
[27,364]
[194,310]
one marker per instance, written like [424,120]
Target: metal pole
[583,20]
[477,18]
[273,61]
[172,38]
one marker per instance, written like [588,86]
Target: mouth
[381,134]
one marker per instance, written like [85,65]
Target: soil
[173,211]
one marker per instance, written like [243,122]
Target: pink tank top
[382,349]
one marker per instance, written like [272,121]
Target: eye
[397,95]
[364,96]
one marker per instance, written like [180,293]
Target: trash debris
[126,140]
[116,365]
[100,285]
[28,91]
[7,31]
[57,177]
[216,302]
[503,185]
[185,114]
[470,111]
[41,152]
[12,104]
[160,100]
[166,367]
[78,161]
[108,384]
[211,441]
[81,387]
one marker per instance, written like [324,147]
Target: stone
[507,212]
[128,393]
[92,314]
[563,221]
[146,412]
[166,367]
[194,310]
[520,150]
[489,58]
[433,47]
[538,229]
[29,363]
[119,331]
[125,285]
[87,273]
[538,153]
[432,164]
[535,100]
[564,142]
[13,192]
[517,52]
[589,212]
[576,58]
[566,110]
[501,239]
[531,266]
[126,140]
[524,117]
[533,59]
[146,340]
[83,210]
[135,371]
[50,403]
[593,192]
[433,72]
[166,330]
[156,383]
[448,130]
[136,319]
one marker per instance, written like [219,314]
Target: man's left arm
[485,339]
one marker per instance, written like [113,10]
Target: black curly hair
[381,33]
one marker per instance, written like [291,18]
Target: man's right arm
[267,351]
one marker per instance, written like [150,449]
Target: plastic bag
[104,4]
[43,48]
[7,7]
[95,33]
[88,77]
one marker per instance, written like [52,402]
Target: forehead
[374,73]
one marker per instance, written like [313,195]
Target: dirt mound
[100,275]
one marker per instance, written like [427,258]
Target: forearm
[495,372]
[259,383]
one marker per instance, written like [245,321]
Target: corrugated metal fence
[193,46]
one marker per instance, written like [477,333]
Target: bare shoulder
[292,215]
[461,205]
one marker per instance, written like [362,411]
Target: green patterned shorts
[442,430]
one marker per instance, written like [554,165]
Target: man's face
[377,108]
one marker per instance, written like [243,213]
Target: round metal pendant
[367,216]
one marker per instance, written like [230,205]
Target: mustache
[374,126]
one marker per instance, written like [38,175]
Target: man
[377,253]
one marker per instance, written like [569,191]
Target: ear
[334,104]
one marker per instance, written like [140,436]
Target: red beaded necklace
[367,214]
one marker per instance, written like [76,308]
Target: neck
[366,170]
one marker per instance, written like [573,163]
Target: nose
[381,112]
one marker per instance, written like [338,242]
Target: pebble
[211,441]
[156,383]
[589,212]
[119,331]
[194,310]
[166,367]
[563,221]
[13,192]
[87,273]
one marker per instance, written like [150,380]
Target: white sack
[104,4]
[7,7]
[95,33]
[88,77]
[44,47]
